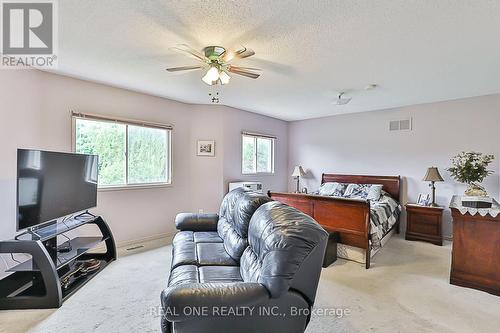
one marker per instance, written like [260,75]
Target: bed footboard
[349,217]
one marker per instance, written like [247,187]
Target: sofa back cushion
[286,249]
[235,213]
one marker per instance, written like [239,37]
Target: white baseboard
[167,237]
[149,242]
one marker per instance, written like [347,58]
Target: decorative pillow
[333,189]
[328,188]
[339,192]
[363,191]
[352,191]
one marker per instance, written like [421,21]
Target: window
[130,154]
[257,154]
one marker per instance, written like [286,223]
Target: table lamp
[298,172]
[433,176]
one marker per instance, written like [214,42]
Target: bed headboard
[391,183]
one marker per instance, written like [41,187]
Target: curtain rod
[121,120]
[259,134]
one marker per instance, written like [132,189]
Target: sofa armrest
[194,300]
[196,222]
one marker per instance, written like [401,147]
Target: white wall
[35,113]
[361,144]
[234,123]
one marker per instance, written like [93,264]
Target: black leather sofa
[254,267]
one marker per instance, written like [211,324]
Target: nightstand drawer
[424,226]
[426,219]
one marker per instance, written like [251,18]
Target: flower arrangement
[471,168]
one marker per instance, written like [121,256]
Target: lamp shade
[298,172]
[433,175]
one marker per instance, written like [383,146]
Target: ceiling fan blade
[251,75]
[245,68]
[189,50]
[239,54]
[183,68]
[245,54]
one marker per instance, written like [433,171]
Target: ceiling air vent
[400,125]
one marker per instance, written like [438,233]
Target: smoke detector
[341,100]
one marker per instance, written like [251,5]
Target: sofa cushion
[186,252]
[281,239]
[236,211]
[213,254]
[183,274]
[207,237]
[206,274]
[184,249]
[219,274]
[183,236]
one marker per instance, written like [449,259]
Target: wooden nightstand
[424,223]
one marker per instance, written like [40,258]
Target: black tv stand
[84,214]
[36,282]
[64,247]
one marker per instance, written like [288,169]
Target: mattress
[358,254]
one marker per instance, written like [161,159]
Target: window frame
[127,123]
[256,136]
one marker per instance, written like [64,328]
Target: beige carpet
[406,290]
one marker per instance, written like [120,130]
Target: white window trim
[273,151]
[121,187]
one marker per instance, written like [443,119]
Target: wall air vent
[400,125]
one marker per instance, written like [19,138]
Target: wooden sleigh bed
[349,217]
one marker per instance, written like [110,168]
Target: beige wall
[35,113]
[362,144]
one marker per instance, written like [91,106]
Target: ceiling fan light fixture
[212,76]
[224,77]
[216,64]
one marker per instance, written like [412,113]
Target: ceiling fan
[216,62]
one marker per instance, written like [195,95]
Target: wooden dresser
[475,259]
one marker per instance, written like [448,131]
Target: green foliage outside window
[257,155]
[148,154]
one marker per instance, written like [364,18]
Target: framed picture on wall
[424,199]
[205,148]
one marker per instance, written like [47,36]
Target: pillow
[333,189]
[339,192]
[328,188]
[352,191]
[363,191]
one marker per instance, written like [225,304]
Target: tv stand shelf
[79,246]
[36,283]
[48,231]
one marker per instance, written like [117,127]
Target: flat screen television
[51,185]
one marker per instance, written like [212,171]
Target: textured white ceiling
[417,51]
